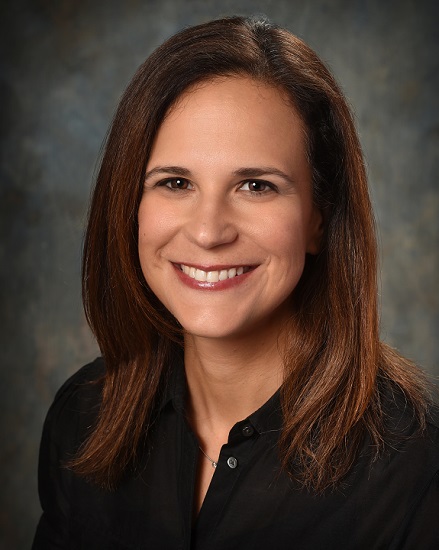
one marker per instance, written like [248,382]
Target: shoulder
[87,377]
[408,461]
[408,476]
[70,418]
[432,425]
[403,424]
[406,433]
[407,469]
[75,407]
[431,435]
[82,387]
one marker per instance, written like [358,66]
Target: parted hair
[336,368]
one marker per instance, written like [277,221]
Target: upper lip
[214,267]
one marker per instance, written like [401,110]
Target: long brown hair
[335,364]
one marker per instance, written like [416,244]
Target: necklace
[214,464]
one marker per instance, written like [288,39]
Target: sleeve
[53,525]
[60,440]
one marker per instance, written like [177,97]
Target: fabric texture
[392,503]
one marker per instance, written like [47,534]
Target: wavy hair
[336,368]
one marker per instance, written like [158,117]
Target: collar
[175,387]
[268,418]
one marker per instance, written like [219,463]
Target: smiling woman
[208,219]
[244,399]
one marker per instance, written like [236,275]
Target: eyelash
[168,182]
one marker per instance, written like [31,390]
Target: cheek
[158,227]
[155,223]
[149,236]
[287,239]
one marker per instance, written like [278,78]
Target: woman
[244,399]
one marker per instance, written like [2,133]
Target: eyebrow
[245,172]
[174,170]
[256,172]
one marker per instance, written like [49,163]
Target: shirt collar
[267,418]
[175,389]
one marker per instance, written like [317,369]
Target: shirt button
[247,431]
[232,462]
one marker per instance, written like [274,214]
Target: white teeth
[212,276]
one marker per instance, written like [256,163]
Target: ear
[315,232]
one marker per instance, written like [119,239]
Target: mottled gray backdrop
[64,66]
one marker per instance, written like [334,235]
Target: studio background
[64,65]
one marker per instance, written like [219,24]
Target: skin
[228,185]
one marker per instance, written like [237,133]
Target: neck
[227,381]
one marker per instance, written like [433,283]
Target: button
[247,430]
[232,462]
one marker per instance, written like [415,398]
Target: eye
[175,184]
[257,186]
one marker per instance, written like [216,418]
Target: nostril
[212,232]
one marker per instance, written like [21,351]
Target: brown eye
[257,186]
[176,184]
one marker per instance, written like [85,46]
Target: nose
[212,223]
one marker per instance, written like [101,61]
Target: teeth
[213,276]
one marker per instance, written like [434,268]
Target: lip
[228,283]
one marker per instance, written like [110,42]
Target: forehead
[231,122]
[227,90]
[231,115]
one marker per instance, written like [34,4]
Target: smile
[213,276]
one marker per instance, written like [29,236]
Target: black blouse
[251,504]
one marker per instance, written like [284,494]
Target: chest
[248,503]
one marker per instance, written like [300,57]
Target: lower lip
[205,285]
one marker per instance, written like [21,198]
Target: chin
[214,333]
[213,328]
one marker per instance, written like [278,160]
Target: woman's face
[227,214]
